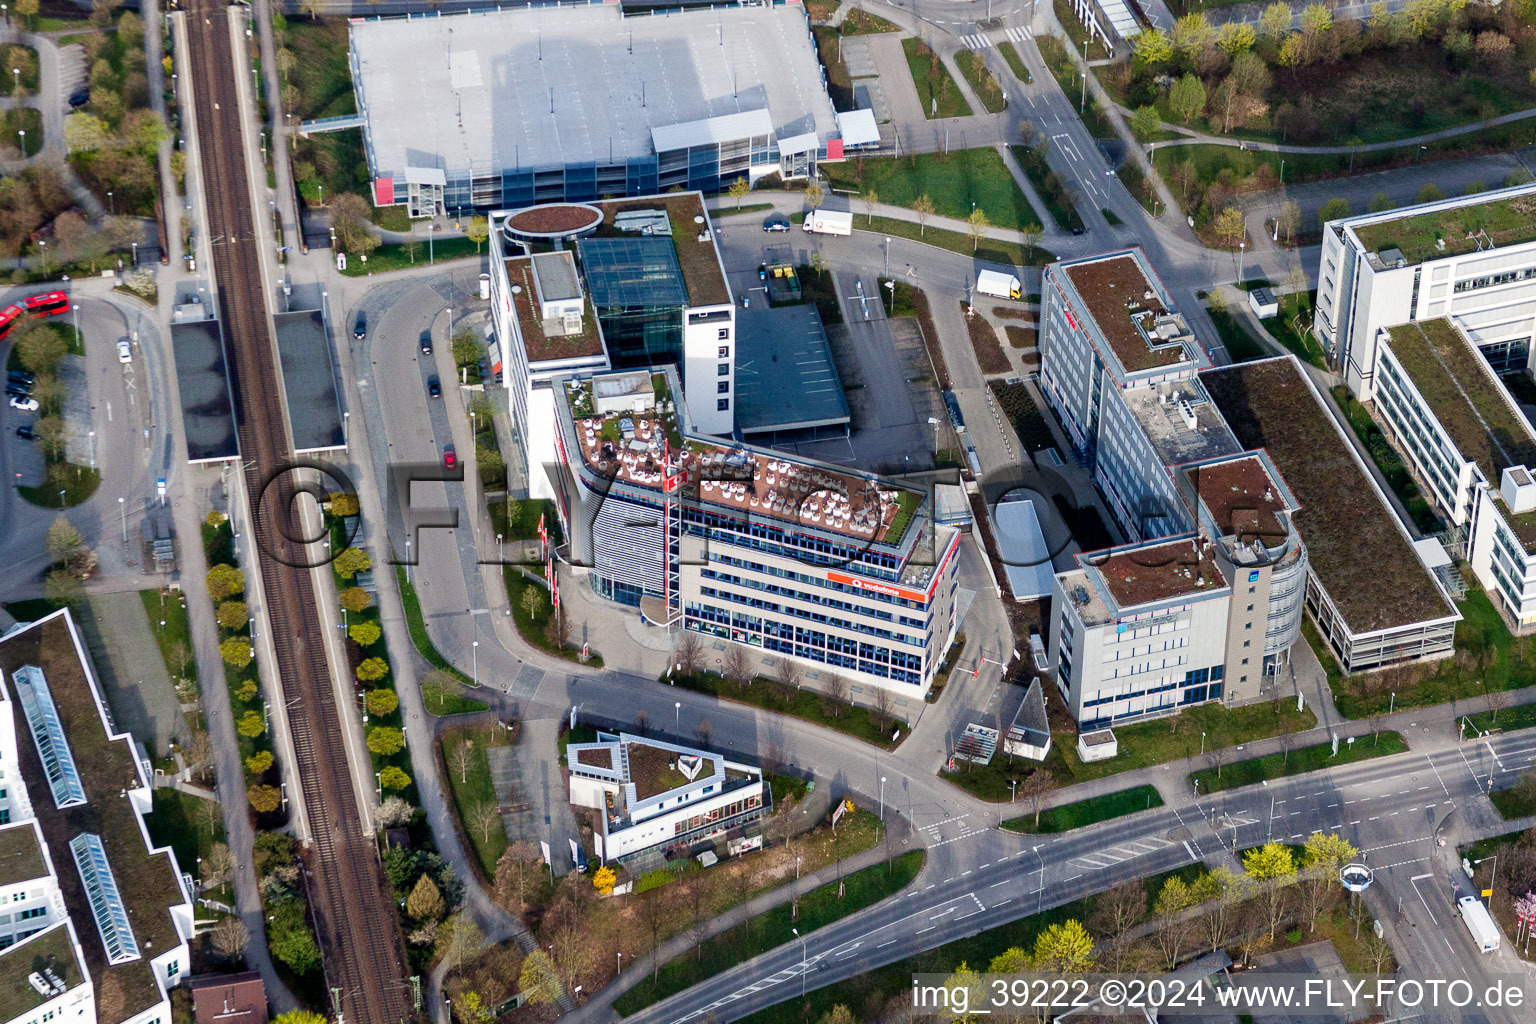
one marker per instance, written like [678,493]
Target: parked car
[434,387]
[1077,230]
[22,378]
[26,433]
[124,351]
[18,391]
[776,222]
[450,457]
[426,343]
[79,98]
[360,329]
[24,404]
[483,367]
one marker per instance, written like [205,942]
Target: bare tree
[737,667]
[1115,912]
[1217,756]
[1037,785]
[230,938]
[687,652]
[1498,700]
[458,938]
[702,731]
[485,819]
[641,718]
[218,867]
[788,673]
[461,759]
[1285,748]
[516,870]
[771,760]
[837,695]
[181,654]
[199,754]
[884,707]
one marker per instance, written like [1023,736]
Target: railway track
[353,909]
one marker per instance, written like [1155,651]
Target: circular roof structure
[1356,877]
[553,220]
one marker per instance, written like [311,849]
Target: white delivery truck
[998,285]
[828,222]
[1479,923]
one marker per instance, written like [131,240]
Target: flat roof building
[533,104]
[1472,258]
[786,380]
[659,801]
[97,919]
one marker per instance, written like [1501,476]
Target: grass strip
[818,908]
[417,625]
[973,66]
[1297,762]
[1095,809]
[1240,343]
[987,250]
[936,90]
[468,773]
[806,705]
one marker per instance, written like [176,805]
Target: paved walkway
[1199,138]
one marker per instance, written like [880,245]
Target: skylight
[48,735]
[106,902]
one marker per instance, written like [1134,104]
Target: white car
[24,404]
[124,352]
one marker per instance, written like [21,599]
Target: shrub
[246,691]
[351,562]
[259,762]
[225,581]
[381,701]
[394,778]
[233,614]
[251,724]
[365,633]
[354,599]
[386,740]
[372,669]
[343,504]
[264,799]
[236,651]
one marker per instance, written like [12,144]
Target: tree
[814,195]
[349,217]
[218,867]
[837,688]
[1333,209]
[839,1014]
[1187,98]
[224,581]
[477,231]
[1273,868]
[1015,960]
[736,666]
[62,540]
[1146,121]
[871,199]
[1323,854]
[516,869]
[464,347]
[458,939]
[1221,892]
[687,652]
[1064,948]
[246,690]
[1316,19]
[301,1016]
[1380,203]
[1114,914]
[251,724]
[264,799]
[884,708]
[532,601]
[603,879]
[1192,33]
[352,561]
[976,226]
[366,634]
[86,133]
[381,701]
[198,752]
[230,937]
[538,981]
[462,759]
[232,614]
[395,811]
[385,740]
[1430,193]
[1173,899]
[1293,52]
[354,599]
[62,587]
[738,190]
[372,669]
[1152,48]
[1275,21]
[260,762]
[393,777]
[923,207]
[485,820]
[425,903]
[26,9]
[469,1007]
[1235,37]
[40,349]
[1230,227]
[236,651]
[788,673]
[1036,786]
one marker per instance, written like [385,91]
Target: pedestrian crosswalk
[982,40]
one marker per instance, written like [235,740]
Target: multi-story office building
[1470,448]
[96,920]
[535,104]
[643,286]
[839,570]
[658,801]
[1471,258]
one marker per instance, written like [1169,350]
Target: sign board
[878,587]
[544,849]
[1487,894]
[837,815]
[575,852]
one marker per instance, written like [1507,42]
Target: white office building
[1471,258]
[660,801]
[96,920]
[1470,448]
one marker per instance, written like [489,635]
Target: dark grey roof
[785,377]
[309,380]
[1030,719]
[202,381]
[555,275]
[633,272]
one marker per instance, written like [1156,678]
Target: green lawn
[321,73]
[1010,52]
[1517,802]
[957,182]
[532,624]
[1387,460]
[418,628]
[27,119]
[64,485]
[875,987]
[443,701]
[398,257]
[171,608]
[187,824]
[973,66]
[1138,186]
[1240,342]
[1088,812]
[839,85]
[471,788]
[1298,762]
[818,908]
[936,90]
[1499,662]
[1292,328]
[1055,193]
[859,22]
[1158,742]
[990,250]
[806,705]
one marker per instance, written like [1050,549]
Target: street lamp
[890,286]
[74,309]
[111,206]
[346,428]
[1013,790]
[677,715]
[475,661]
[1202,743]
[802,960]
[123,512]
[1082,103]
[882,798]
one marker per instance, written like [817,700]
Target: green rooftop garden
[1456,230]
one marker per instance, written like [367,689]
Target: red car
[450,458]
[46,304]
